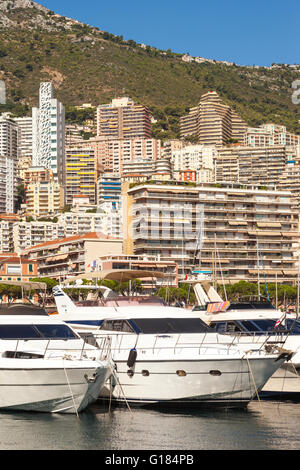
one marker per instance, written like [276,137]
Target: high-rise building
[8,163]
[24,136]
[113,154]
[48,132]
[109,189]
[252,165]
[123,119]
[44,195]
[212,122]
[81,174]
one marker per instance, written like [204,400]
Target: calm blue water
[266,425]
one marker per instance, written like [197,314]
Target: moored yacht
[167,355]
[44,364]
[253,320]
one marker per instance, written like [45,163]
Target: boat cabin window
[117,325]
[261,327]
[250,305]
[226,327]
[294,326]
[36,332]
[170,325]
[56,331]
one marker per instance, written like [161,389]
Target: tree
[50,283]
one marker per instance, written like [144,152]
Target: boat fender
[132,357]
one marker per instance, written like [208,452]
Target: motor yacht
[253,320]
[45,365]
[168,355]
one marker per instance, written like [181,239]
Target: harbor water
[264,425]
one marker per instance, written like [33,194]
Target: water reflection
[267,425]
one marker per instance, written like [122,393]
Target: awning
[269,224]
[237,222]
[290,272]
[290,234]
[265,271]
[267,233]
[27,285]
[57,258]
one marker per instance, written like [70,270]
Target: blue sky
[245,32]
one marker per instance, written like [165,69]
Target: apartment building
[44,198]
[109,189]
[48,132]
[236,231]
[169,146]
[254,165]
[269,134]
[14,267]
[290,181]
[123,119]
[27,234]
[81,222]
[81,174]
[212,122]
[7,222]
[74,255]
[24,137]
[112,154]
[8,163]
[44,195]
[198,160]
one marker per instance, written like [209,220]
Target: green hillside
[88,65]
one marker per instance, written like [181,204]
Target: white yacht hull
[228,382]
[53,386]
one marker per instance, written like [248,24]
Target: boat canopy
[121,275]
[27,285]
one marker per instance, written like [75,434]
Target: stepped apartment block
[237,232]
[212,122]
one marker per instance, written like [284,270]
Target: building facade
[199,159]
[269,134]
[48,132]
[17,268]
[8,163]
[237,232]
[212,122]
[81,174]
[123,119]
[71,256]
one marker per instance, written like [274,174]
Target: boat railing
[119,344]
[49,351]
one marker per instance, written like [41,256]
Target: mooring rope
[68,382]
[252,376]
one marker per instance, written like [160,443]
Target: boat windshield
[170,325]
[250,305]
[257,326]
[37,331]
